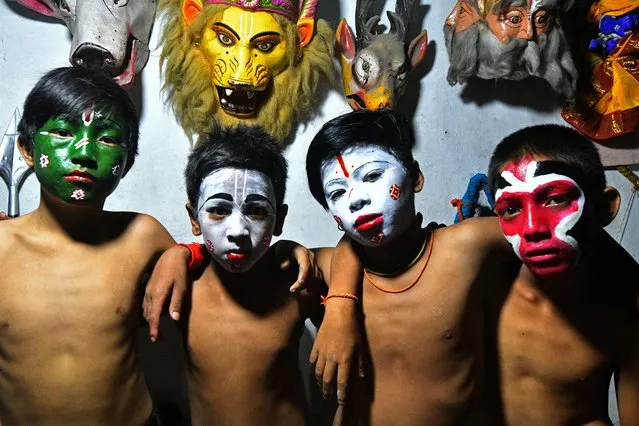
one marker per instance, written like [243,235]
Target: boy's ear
[610,203]
[25,151]
[279,220]
[418,177]
[195,225]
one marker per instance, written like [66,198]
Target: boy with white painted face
[422,288]
[571,318]
[242,324]
[70,290]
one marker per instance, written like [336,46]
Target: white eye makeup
[369,193]
[236,211]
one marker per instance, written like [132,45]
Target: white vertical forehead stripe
[239,183]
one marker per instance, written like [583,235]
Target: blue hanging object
[468,204]
[612,29]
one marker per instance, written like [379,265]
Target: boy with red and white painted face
[242,324]
[70,288]
[422,288]
[571,318]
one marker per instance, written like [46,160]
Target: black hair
[384,128]
[69,92]
[559,144]
[241,147]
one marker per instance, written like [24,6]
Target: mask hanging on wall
[111,37]
[608,98]
[252,62]
[511,39]
[374,65]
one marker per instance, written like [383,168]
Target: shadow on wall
[532,92]
[409,101]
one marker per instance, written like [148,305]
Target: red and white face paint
[538,207]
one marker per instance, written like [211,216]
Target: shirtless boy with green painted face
[70,293]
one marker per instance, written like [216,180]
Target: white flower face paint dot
[78,194]
[44,161]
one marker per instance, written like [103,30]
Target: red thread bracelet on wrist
[340,295]
[198,256]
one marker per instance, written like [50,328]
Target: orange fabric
[611,7]
[608,102]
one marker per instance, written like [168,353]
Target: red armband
[199,255]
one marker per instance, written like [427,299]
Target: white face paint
[369,193]
[236,213]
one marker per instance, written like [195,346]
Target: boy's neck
[77,222]
[398,253]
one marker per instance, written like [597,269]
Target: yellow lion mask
[253,62]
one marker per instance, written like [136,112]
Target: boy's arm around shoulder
[337,339]
[482,237]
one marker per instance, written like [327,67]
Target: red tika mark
[519,168]
[210,245]
[395,192]
[340,160]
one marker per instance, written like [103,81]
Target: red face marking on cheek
[340,160]
[377,237]
[519,168]
[209,245]
[395,192]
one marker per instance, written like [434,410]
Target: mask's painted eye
[225,39]
[266,46]
[366,70]
[120,3]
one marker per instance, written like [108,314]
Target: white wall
[456,129]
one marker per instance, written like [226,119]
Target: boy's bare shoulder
[137,225]
[474,233]
[11,231]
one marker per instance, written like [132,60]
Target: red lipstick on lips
[368,221]
[80,176]
[235,255]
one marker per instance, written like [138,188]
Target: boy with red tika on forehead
[571,318]
[422,288]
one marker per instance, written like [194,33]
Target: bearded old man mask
[254,62]
[108,36]
[510,39]
[374,66]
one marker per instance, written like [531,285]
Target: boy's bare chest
[224,335]
[69,291]
[430,324]
[563,349]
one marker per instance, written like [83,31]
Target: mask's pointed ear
[417,49]
[190,9]
[305,31]
[345,40]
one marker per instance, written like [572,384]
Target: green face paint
[81,160]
